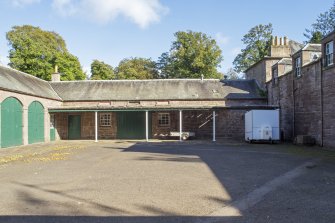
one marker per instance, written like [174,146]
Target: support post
[96,126]
[214,127]
[180,124]
[146,126]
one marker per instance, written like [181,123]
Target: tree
[232,75]
[101,71]
[36,52]
[258,43]
[136,68]
[191,55]
[325,23]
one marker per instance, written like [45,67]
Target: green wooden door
[11,123]
[74,126]
[131,125]
[35,122]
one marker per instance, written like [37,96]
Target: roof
[295,46]
[285,61]
[312,47]
[159,89]
[14,80]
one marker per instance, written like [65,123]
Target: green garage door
[35,122]
[11,122]
[131,125]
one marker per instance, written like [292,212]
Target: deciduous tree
[257,45]
[101,71]
[325,23]
[191,55]
[36,52]
[136,68]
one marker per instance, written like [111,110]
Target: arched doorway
[35,122]
[11,122]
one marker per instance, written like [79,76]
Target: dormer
[308,54]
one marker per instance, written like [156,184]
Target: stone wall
[261,71]
[307,102]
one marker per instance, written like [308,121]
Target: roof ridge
[142,80]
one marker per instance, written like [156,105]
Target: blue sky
[111,30]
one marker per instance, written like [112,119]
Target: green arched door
[35,122]
[11,122]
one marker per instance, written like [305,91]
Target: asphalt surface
[119,181]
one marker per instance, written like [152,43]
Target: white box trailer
[262,125]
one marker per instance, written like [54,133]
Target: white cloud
[141,12]
[221,39]
[21,3]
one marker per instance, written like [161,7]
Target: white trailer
[262,125]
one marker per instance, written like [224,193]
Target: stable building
[33,110]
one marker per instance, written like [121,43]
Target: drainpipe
[146,126]
[96,126]
[180,125]
[293,101]
[321,96]
[214,133]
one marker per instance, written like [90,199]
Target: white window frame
[164,119]
[329,53]
[298,66]
[105,119]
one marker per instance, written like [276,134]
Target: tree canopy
[101,71]
[191,55]
[136,68]
[325,23]
[231,74]
[36,52]
[257,45]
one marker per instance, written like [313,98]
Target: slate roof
[129,90]
[285,61]
[162,89]
[14,80]
[312,47]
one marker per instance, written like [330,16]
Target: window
[298,67]
[105,119]
[329,59]
[163,119]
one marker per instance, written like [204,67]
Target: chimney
[55,76]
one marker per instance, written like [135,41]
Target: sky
[111,30]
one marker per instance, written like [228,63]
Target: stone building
[300,84]
[34,110]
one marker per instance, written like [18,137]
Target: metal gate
[11,122]
[35,122]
